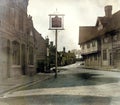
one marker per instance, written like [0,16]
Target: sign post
[56,22]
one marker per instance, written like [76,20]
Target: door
[23,60]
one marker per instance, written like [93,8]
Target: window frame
[105,54]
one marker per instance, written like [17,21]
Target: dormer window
[100,26]
[115,38]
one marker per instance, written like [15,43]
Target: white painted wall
[91,49]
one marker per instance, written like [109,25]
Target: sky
[77,13]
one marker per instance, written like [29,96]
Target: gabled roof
[87,33]
[109,24]
[104,21]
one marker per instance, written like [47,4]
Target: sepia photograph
[59,52]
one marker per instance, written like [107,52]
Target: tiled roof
[91,32]
[87,33]
[104,21]
[115,21]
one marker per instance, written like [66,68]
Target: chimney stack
[108,10]
[51,43]
[47,40]
[64,49]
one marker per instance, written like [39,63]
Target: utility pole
[56,53]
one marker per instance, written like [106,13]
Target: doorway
[23,60]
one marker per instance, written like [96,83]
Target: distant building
[100,44]
[18,38]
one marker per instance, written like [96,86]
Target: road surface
[74,86]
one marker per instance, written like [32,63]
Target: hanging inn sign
[56,22]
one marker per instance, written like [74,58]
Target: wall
[15,39]
[91,49]
[91,54]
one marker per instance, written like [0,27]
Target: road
[74,86]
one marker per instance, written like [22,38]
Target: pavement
[11,84]
[20,81]
[101,68]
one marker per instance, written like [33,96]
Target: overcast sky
[77,13]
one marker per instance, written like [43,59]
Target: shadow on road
[71,80]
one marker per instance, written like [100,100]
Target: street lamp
[56,22]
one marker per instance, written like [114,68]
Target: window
[12,17]
[115,38]
[16,53]
[100,26]
[95,57]
[31,33]
[20,21]
[104,54]
[93,44]
[105,40]
[82,47]
[31,56]
[88,45]
[90,58]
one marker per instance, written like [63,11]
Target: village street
[74,86]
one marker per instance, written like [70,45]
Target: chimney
[51,43]
[47,41]
[64,49]
[108,10]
